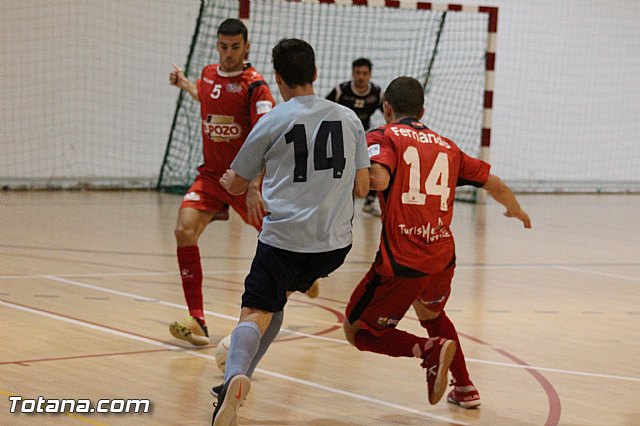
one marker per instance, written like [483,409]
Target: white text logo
[431,234]
[42,405]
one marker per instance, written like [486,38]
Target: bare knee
[350,331]
[423,313]
[191,223]
[186,235]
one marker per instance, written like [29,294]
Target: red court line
[319,333]
[84,262]
[26,362]
[339,317]
[23,362]
[555,408]
[552,396]
[553,416]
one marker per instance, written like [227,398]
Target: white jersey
[310,148]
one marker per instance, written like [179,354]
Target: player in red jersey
[232,96]
[417,171]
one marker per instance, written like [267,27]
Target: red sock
[443,327]
[393,342]
[191,273]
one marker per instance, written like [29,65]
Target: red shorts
[381,302]
[207,194]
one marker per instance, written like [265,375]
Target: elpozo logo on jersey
[234,88]
[221,128]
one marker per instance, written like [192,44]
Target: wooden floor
[549,318]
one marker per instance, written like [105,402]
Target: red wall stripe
[486,137]
[490,61]
[245,7]
[488,99]
[493,17]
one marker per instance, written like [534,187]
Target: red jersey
[230,105]
[417,207]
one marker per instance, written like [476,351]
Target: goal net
[449,48]
[85,97]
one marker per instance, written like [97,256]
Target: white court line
[150,273]
[265,372]
[237,271]
[312,336]
[323,338]
[173,305]
[340,270]
[602,274]
[123,274]
[554,370]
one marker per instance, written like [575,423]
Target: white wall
[567,95]
[85,97]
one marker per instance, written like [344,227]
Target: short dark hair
[362,62]
[406,96]
[231,27]
[295,61]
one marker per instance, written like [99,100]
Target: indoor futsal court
[548,317]
[97,150]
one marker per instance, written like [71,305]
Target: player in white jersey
[314,156]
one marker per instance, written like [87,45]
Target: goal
[449,48]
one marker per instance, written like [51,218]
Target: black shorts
[275,271]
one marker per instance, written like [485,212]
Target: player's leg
[245,342]
[275,274]
[191,223]
[267,338]
[429,307]
[307,268]
[199,207]
[316,266]
[265,293]
[376,306]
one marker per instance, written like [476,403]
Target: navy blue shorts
[275,271]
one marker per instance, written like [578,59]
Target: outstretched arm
[503,194]
[178,79]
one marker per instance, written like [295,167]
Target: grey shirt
[311,149]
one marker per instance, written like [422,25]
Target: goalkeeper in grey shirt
[314,157]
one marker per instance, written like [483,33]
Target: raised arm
[178,79]
[503,194]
